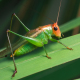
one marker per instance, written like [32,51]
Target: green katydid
[35,38]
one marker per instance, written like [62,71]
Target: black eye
[55,28]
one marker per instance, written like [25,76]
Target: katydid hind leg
[12,56]
[27,29]
[31,40]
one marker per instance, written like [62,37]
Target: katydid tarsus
[35,38]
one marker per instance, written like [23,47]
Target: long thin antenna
[59,11]
[49,18]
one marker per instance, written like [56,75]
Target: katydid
[35,38]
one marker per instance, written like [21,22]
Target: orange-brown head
[56,30]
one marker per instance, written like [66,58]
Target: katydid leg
[19,21]
[33,41]
[65,45]
[46,53]
[54,40]
[12,56]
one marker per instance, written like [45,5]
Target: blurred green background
[31,13]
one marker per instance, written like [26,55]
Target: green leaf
[36,61]
[70,25]
[77,79]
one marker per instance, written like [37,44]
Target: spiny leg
[46,53]
[12,56]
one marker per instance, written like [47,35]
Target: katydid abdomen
[25,48]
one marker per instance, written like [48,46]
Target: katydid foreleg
[54,40]
[65,45]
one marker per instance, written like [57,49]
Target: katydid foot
[14,73]
[48,57]
[69,48]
